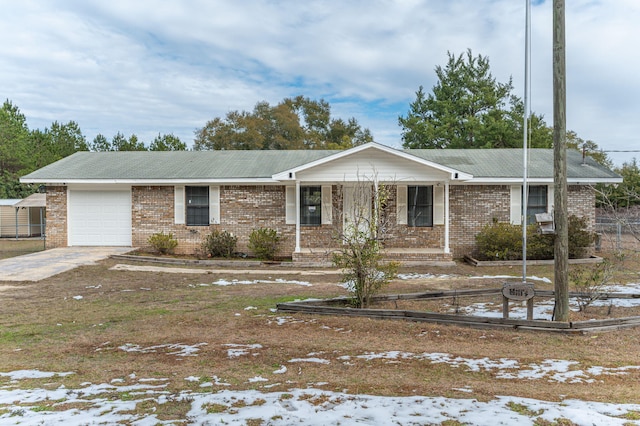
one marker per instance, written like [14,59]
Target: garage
[99,218]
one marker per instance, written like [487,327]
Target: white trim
[291,173]
[401,204]
[535,181]
[179,205]
[550,198]
[272,181]
[438,205]
[515,214]
[155,182]
[326,209]
[214,205]
[446,218]
[297,196]
[290,205]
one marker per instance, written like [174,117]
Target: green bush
[500,241]
[579,238]
[264,243]
[219,244]
[503,241]
[163,243]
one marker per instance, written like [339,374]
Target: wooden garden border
[336,306]
[475,262]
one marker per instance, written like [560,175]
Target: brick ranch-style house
[439,199]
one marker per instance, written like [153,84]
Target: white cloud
[145,67]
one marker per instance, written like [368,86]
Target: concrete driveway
[44,264]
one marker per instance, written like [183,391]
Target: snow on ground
[512,277]
[542,309]
[223,282]
[178,349]
[92,404]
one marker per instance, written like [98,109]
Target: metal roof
[33,200]
[483,164]
[507,163]
[175,164]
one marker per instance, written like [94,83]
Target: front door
[356,208]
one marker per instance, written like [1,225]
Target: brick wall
[581,202]
[242,209]
[56,216]
[470,208]
[396,236]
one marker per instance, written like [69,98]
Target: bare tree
[361,228]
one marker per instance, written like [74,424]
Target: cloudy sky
[149,67]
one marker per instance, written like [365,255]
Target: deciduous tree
[294,123]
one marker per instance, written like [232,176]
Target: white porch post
[446,217]
[297,216]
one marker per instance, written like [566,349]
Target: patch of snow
[33,374]
[312,407]
[217,381]
[512,277]
[78,297]
[281,370]
[239,349]
[258,379]
[179,349]
[416,276]
[313,360]
[223,282]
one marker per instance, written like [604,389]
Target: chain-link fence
[618,233]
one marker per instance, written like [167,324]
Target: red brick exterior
[56,230]
[244,208]
[471,208]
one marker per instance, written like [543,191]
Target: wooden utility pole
[561,244]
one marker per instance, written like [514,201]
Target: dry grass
[10,247]
[43,327]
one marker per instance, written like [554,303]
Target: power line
[616,150]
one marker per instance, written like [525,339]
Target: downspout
[17,208]
[297,216]
[446,217]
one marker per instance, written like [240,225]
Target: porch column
[446,217]
[297,216]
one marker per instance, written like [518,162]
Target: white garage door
[99,218]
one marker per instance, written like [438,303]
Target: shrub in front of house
[264,243]
[163,243]
[499,241]
[219,244]
[579,238]
[503,241]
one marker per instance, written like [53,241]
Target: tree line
[23,150]
[466,108]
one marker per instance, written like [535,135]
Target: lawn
[198,334]
[10,247]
